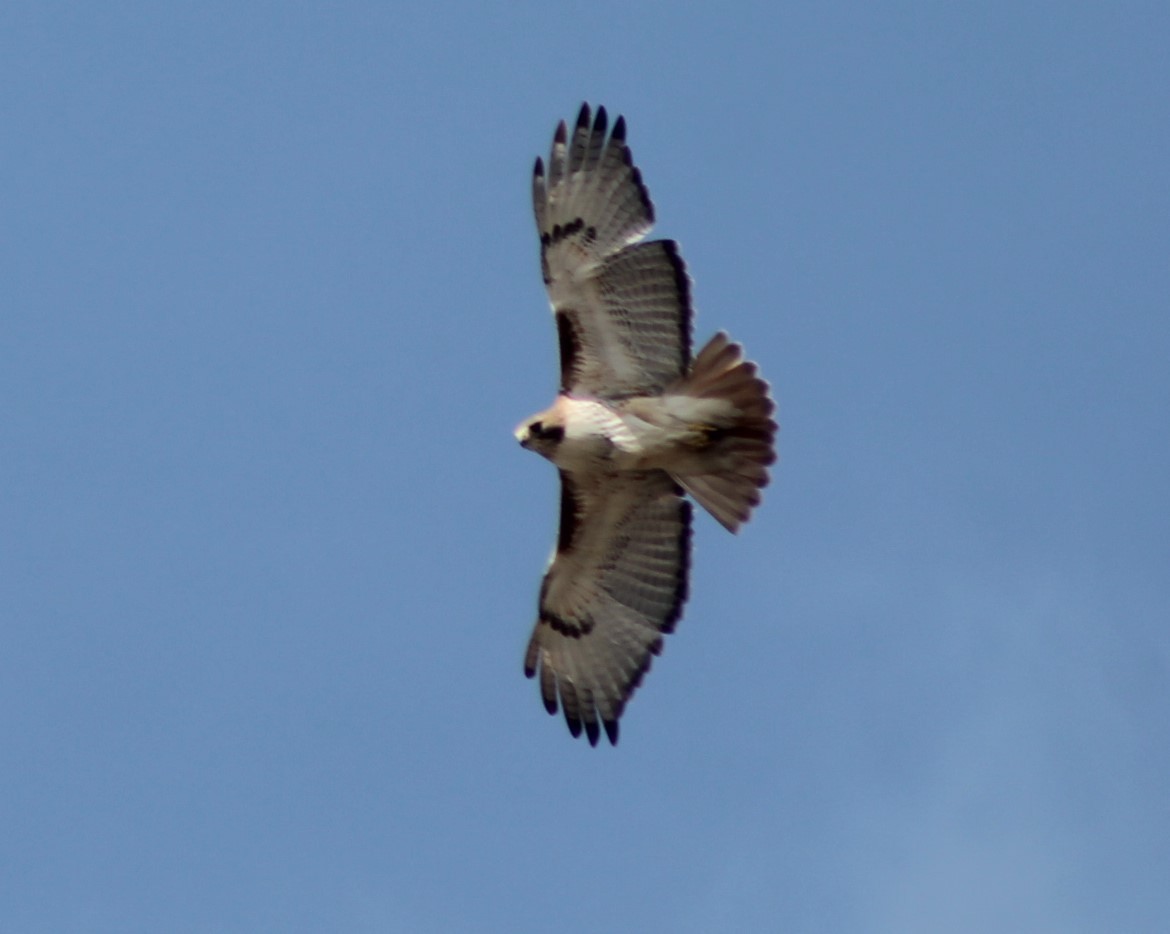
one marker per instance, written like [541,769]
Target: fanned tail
[742,448]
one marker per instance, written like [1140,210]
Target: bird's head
[541,433]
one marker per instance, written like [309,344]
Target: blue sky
[269,552]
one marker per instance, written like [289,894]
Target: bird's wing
[616,584]
[622,308]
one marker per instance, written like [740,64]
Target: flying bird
[636,425]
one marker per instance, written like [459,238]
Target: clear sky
[270,308]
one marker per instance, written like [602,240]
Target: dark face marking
[553,433]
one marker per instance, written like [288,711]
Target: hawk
[637,424]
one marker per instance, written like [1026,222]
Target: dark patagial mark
[570,515]
[570,349]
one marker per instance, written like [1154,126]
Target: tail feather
[741,446]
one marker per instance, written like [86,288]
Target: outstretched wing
[616,584]
[623,308]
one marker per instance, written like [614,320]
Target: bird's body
[637,423]
[672,431]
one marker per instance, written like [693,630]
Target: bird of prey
[637,423]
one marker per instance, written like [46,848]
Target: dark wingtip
[583,116]
[561,134]
[592,732]
[611,731]
[538,169]
[574,724]
[600,121]
[619,129]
